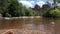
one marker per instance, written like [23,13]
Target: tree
[13,8]
[9,7]
[3,5]
[30,12]
[58,1]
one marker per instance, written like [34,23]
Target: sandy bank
[20,17]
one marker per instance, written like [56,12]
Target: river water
[41,24]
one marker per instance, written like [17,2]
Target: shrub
[52,13]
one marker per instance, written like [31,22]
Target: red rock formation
[45,6]
[37,7]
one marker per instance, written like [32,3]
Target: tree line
[12,8]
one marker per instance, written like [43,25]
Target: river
[38,24]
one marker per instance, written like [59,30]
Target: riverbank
[28,17]
[23,31]
[20,17]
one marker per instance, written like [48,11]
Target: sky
[31,3]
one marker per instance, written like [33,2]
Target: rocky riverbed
[23,31]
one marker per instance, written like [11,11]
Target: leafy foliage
[12,8]
[54,13]
[9,7]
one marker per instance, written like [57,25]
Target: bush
[30,12]
[52,13]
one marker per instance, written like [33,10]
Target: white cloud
[32,2]
[51,1]
[27,3]
[26,0]
[40,3]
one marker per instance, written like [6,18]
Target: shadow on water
[45,24]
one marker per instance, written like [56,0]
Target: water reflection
[41,27]
[48,25]
[29,26]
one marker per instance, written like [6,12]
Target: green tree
[58,1]
[52,13]
[10,7]
[3,5]
[30,12]
[13,8]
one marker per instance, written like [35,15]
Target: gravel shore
[23,31]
